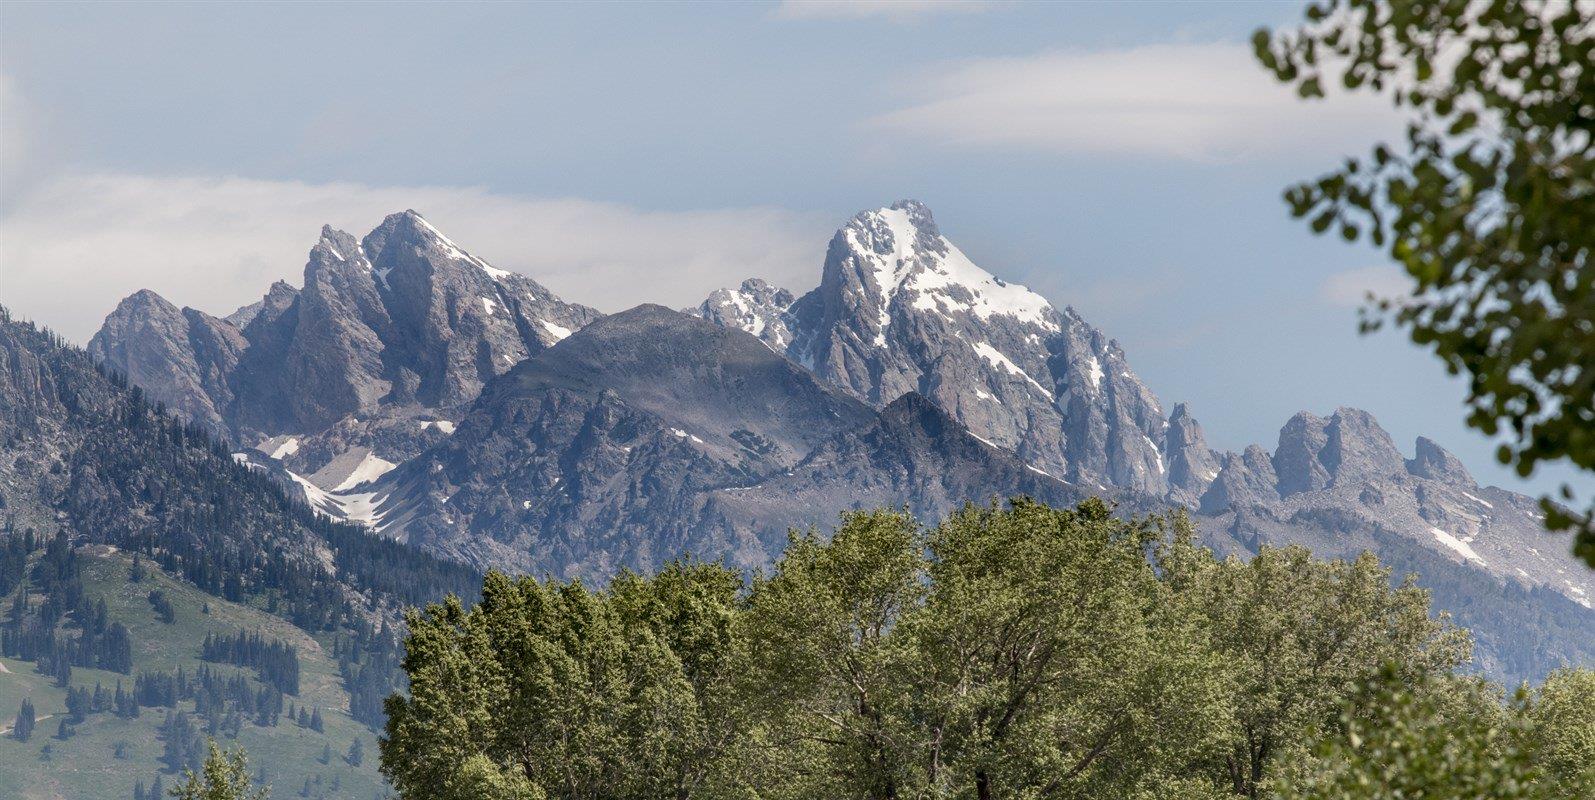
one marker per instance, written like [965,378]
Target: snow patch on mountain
[942,279]
[1456,544]
[358,507]
[279,446]
[997,359]
[369,469]
[559,332]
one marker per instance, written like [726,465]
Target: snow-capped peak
[755,307]
[453,250]
[905,254]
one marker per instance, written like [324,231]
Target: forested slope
[113,513]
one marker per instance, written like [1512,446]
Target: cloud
[1196,102]
[893,9]
[1350,289]
[76,245]
[24,151]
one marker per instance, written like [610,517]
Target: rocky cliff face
[182,357]
[1192,464]
[388,333]
[1345,472]
[901,309]
[651,433]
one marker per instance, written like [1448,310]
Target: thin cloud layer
[892,9]
[1193,102]
[75,246]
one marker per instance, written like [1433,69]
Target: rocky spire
[1192,465]
[1245,480]
[182,357]
[1435,463]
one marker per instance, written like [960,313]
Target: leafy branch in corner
[1489,205]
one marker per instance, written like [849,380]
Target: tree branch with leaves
[1489,204]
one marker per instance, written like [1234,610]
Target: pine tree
[357,753]
[22,729]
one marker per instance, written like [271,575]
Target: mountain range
[419,390]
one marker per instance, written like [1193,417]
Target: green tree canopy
[551,688]
[1013,651]
[1296,636]
[1451,738]
[224,776]
[1489,204]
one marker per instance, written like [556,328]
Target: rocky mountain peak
[756,307]
[897,255]
[1435,463]
[1350,445]
[277,300]
[143,310]
[180,356]
[144,301]
[337,251]
[402,227]
[1358,448]
[404,321]
[1192,465]
[1296,460]
[1244,481]
[901,309]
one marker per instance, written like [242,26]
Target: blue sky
[1126,159]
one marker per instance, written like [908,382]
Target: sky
[1127,159]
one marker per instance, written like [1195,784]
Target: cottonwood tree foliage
[553,689]
[1296,635]
[1489,204]
[1456,740]
[1013,651]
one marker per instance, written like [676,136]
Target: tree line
[276,662]
[33,632]
[1010,651]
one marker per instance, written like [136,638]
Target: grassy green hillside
[85,767]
